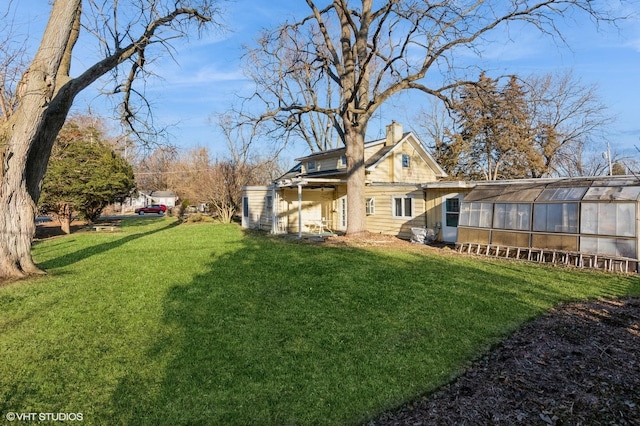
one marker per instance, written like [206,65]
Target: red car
[153,208]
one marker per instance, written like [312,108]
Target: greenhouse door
[450,215]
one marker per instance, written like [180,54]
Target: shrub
[199,217]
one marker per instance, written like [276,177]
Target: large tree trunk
[29,136]
[17,222]
[356,208]
[65,216]
[355,84]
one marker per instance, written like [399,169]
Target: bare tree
[124,30]
[591,159]
[434,123]
[199,179]
[366,52]
[186,172]
[292,78]
[570,118]
[153,170]
[242,149]
[12,65]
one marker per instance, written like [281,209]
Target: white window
[311,166]
[452,214]
[342,162]
[371,206]
[406,161]
[402,206]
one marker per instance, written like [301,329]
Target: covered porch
[309,207]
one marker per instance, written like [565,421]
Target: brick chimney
[394,133]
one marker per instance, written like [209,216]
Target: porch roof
[449,184]
[289,183]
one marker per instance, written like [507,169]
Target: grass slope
[205,324]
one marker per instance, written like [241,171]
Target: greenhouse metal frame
[589,218]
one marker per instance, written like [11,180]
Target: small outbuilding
[575,220]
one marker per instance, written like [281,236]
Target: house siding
[325,164]
[433,199]
[418,172]
[383,221]
[383,172]
[259,217]
[390,168]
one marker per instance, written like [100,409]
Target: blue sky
[206,74]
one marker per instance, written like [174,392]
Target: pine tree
[84,176]
[494,138]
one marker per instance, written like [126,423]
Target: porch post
[300,210]
[274,216]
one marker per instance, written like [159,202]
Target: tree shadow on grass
[284,333]
[84,253]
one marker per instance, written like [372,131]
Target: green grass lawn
[166,324]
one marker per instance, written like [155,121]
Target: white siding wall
[258,216]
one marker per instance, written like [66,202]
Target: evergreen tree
[494,138]
[84,176]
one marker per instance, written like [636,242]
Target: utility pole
[607,155]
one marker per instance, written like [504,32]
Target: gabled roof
[386,151]
[370,163]
[592,188]
[293,172]
[165,194]
[339,151]
[379,155]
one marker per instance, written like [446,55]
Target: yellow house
[311,197]
[587,221]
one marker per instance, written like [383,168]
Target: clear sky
[206,74]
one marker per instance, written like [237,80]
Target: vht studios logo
[42,417]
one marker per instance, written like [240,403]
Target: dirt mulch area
[53,229]
[577,365]
[376,240]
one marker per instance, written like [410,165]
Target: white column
[300,210]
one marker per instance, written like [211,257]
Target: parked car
[153,208]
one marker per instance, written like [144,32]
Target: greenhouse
[589,222]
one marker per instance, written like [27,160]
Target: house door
[342,213]
[450,215]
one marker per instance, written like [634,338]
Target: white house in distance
[145,198]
